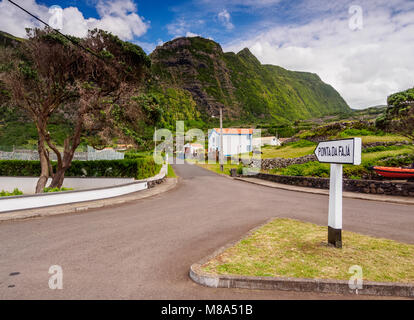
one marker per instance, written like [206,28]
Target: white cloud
[118,16]
[224,18]
[363,65]
[190,34]
[181,27]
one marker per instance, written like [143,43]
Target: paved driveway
[143,249]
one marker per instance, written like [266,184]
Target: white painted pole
[335,206]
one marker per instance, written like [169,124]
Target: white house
[235,141]
[267,141]
[193,148]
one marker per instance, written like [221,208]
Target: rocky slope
[239,83]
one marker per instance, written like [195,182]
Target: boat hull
[395,173]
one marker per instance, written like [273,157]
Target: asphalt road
[143,249]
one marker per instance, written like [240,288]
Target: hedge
[139,168]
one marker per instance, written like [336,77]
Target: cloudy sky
[364,48]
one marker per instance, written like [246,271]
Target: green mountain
[190,79]
[246,89]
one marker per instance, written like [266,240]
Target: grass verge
[216,167]
[171,173]
[291,248]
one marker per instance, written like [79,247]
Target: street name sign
[346,151]
[337,153]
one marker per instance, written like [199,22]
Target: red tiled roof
[235,130]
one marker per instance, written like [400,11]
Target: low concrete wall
[395,188]
[28,184]
[58,198]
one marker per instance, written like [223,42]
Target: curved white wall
[28,184]
[57,198]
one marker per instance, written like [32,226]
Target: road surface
[143,249]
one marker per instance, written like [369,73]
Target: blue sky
[362,48]
[219,20]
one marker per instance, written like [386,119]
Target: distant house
[235,140]
[267,141]
[193,148]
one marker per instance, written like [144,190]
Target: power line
[57,31]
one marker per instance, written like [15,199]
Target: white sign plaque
[346,151]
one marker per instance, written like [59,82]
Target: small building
[235,141]
[267,141]
[193,148]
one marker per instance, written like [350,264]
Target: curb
[292,284]
[346,194]
[80,207]
[300,285]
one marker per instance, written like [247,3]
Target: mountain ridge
[238,82]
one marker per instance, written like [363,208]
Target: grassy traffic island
[291,248]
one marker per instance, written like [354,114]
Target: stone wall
[272,163]
[385,144]
[394,188]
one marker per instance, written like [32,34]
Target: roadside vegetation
[290,248]
[15,192]
[216,167]
[139,168]
[47,190]
[289,150]
[379,155]
[171,173]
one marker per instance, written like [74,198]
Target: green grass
[291,150]
[316,169]
[15,192]
[290,248]
[62,189]
[171,173]
[216,167]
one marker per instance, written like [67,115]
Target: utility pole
[221,155]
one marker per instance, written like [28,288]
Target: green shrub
[139,168]
[357,132]
[350,171]
[309,169]
[240,169]
[16,192]
[382,148]
[397,162]
[56,189]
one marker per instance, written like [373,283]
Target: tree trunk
[57,180]
[44,164]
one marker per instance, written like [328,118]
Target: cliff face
[239,83]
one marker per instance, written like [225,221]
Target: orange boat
[390,172]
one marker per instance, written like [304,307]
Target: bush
[16,192]
[382,148]
[352,171]
[134,168]
[397,162]
[309,169]
[358,132]
[56,189]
